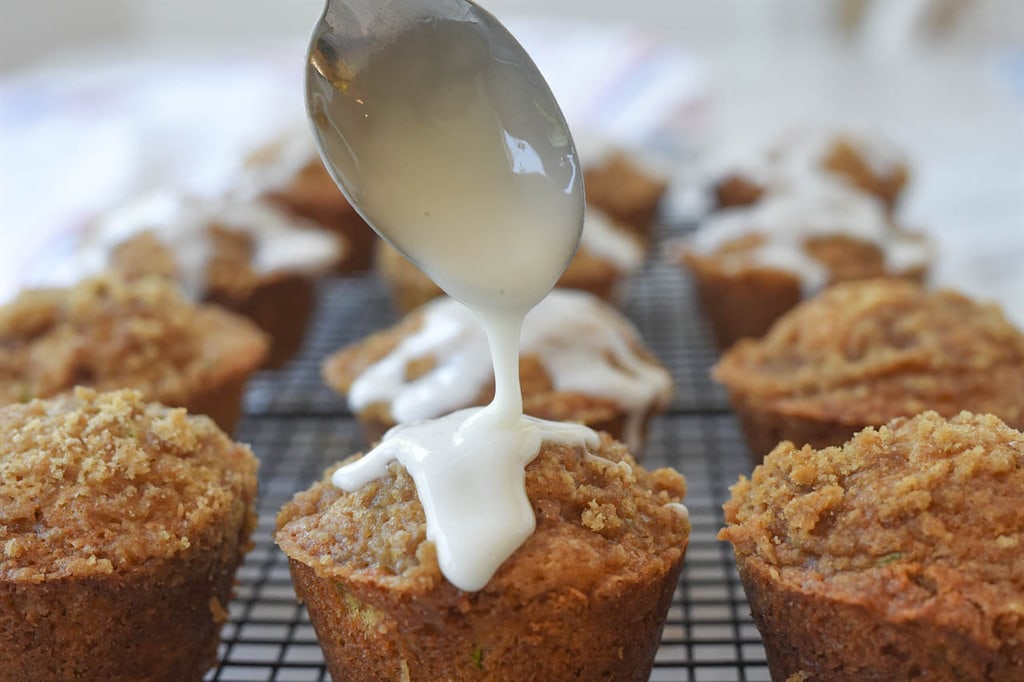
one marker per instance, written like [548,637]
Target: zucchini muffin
[867,163]
[289,173]
[584,597]
[863,353]
[895,556]
[580,360]
[249,257]
[622,188]
[110,334]
[122,524]
[608,253]
[752,264]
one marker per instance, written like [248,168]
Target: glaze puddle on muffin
[187,228]
[585,347]
[492,210]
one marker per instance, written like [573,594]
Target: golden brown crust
[845,160]
[586,593]
[897,551]
[625,192]
[863,353]
[96,484]
[540,398]
[110,334]
[121,527]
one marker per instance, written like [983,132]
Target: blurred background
[102,100]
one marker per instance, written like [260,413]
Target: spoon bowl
[442,133]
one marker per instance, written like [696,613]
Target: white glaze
[461,167]
[585,345]
[797,159]
[606,239]
[474,496]
[183,224]
[787,219]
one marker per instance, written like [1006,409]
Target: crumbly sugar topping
[927,503]
[110,334]
[605,509]
[860,332]
[97,483]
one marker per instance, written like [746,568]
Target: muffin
[609,251]
[895,556]
[620,186]
[122,524]
[249,257]
[863,353]
[751,264]
[580,360]
[584,597]
[867,163]
[110,334]
[288,173]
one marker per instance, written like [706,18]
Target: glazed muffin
[893,556]
[750,265]
[584,597]
[863,353]
[122,524]
[867,163]
[623,188]
[580,360]
[110,334]
[249,257]
[608,253]
[288,173]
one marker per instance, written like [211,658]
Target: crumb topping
[111,334]
[863,349]
[611,515]
[96,483]
[925,508]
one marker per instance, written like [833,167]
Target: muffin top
[865,352]
[99,483]
[111,334]
[819,232]
[223,247]
[923,514]
[802,155]
[580,359]
[600,520]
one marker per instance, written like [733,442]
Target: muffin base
[820,638]
[764,429]
[281,306]
[222,403]
[741,304]
[369,634]
[153,626]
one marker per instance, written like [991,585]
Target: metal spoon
[432,119]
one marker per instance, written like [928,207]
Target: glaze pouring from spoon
[441,132]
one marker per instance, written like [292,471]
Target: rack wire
[298,427]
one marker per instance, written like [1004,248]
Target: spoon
[441,132]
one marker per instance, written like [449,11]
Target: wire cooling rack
[298,427]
